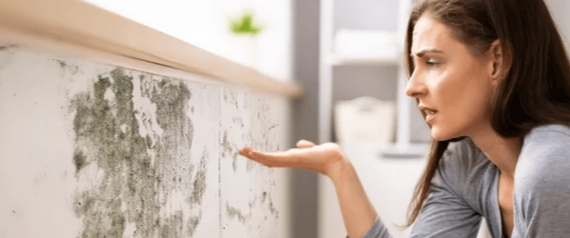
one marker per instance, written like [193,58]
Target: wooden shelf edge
[82,25]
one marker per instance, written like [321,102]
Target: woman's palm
[321,158]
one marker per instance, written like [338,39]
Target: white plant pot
[243,49]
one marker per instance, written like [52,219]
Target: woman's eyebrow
[423,52]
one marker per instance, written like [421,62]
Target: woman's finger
[293,158]
[277,159]
[247,154]
[260,160]
[245,150]
[305,144]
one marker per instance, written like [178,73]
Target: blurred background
[346,54]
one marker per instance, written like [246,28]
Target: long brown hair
[536,89]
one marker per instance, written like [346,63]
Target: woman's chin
[440,134]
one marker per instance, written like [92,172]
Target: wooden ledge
[81,25]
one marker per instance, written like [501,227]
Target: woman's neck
[503,152]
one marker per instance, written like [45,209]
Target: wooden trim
[82,25]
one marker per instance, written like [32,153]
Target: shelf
[366,47]
[77,26]
[406,150]
[339,60]
[340,47]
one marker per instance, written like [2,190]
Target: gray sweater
[465,189]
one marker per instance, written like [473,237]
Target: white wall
[94,149]
[206,25]
[388,182]
[560,11]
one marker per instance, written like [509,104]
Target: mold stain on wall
[148,151]
[235,213]
[140,172]
[6,54]
[229,149]
[8,47]
[247,119]
[74,69]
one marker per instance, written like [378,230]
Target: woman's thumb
[305,144]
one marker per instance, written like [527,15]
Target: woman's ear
[497,59]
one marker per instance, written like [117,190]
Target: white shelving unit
[331,57]
[377,174]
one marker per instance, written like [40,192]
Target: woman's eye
[432,63]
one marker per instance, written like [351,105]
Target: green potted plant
[244,30]
[245,25]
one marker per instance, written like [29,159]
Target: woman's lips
[430,116]
[429,112]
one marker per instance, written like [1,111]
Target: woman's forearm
[357,211]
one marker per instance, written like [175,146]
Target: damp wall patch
[95,150]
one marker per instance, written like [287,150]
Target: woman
[492,80]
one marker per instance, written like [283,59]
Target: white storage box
[364,120]
[366,46]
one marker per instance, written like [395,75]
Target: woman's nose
[415,88]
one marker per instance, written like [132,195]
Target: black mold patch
[4,61]
[200,181]
[230,97]
[137,183]
[192,224]
[79,160]
[73,68]
[234,161]
[172,226]
[8,47]
[238,121]
[236,213]
[273,210]
[264,196]
[227,149]
[61,63]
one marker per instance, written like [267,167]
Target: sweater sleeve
[445,214]
[378,230]
[542,184]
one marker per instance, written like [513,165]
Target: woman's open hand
[326,158]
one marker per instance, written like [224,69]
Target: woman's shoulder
[548,132]
[545,157]
[541,193]
[547,140]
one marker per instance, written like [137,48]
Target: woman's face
[453,86]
